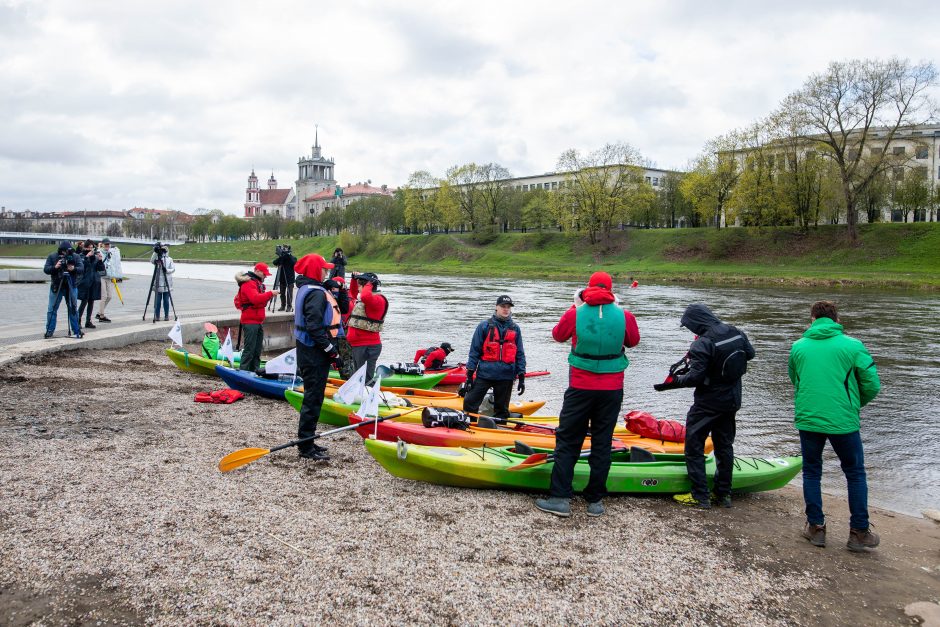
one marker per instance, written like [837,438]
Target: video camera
[160,249]
[68,257]
[282,249]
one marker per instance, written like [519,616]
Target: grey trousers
[366,355]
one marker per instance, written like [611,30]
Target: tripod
[70,309]
[159,267]
[287,296]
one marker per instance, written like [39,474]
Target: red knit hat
[311,266]
[601,279]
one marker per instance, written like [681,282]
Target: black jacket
[89,288]
[313,306]
[57,273]
[717,359]
[286,263]
[339,265]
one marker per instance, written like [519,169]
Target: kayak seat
[640,455]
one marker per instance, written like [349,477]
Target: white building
[554,180]
[342,197]
[269,202]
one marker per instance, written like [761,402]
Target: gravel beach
[112,511]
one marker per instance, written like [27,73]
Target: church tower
[272,182]
[253,196]
[314,174]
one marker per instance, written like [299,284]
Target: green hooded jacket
[834,377]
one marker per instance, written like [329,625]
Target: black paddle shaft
[331,432]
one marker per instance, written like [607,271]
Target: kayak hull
[458,374]
[488,468]
[475,436]
[335,413]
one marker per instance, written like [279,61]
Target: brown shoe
[816,534]
[861,540]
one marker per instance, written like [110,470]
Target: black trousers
[287,294]
[502,391]
[253,336]
[581,410]
[314,368]
[699,423]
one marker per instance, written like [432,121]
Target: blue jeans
[165,297]
[848,447]
[52,312]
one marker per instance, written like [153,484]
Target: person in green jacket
[834,376]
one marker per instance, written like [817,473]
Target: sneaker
[48,334]
[97,316]
[816,534]
[78,336]
[688,499]
[595,509]
[166,318]
[722,501]
[861,540]
[315,455]
[103,318]
[554,505]
[89,325]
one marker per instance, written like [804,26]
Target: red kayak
[458,374]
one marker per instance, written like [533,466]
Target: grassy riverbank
[885,255]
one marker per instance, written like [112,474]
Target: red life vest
[499,348]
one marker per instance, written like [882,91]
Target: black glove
[669,384]
[521,387]
[466,385]
[338,362]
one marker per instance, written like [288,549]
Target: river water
[900,428]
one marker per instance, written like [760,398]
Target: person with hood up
[833,376]
[717,359]
[600,330]
[252,301]
[163,282]
[317,327]
[65,270]
[496,359]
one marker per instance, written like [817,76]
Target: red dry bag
[646,425]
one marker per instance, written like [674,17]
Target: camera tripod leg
[153,280]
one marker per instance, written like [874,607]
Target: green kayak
[193,362]
[489,468]
[332,412]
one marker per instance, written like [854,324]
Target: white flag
[176,334]
[283,364]
[370,403]
[227,351]
[353,390]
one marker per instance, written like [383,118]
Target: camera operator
[366,320]
[111,256]
[162,282]
[285,261]
[89,288]
[339,262]
[65,269]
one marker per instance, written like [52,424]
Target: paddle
[538,459]
[245,456]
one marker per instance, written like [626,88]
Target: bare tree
[842,108]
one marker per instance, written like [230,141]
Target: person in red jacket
[433,358]
[369,309]
[599,330]
[252,300]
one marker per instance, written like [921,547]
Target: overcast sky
[112,105]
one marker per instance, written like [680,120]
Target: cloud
[172,103]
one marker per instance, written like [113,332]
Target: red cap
[601,279]
[311,266]
[339,280]
[262,268]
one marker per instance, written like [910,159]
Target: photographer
[162,281]
[285,261]
[89,288]
[339,262]
[65,269]
[365,322]
[111,256]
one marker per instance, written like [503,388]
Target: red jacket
[375,305]
[435,359]
[566,329]
[251,299]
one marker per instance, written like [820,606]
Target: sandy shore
[112,511]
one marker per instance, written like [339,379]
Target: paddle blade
[532,460]
[241,457]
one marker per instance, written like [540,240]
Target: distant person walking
[114,273]
[833,377]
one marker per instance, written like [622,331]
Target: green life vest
[600,332]
[210,346]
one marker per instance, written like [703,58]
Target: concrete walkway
[23,310]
